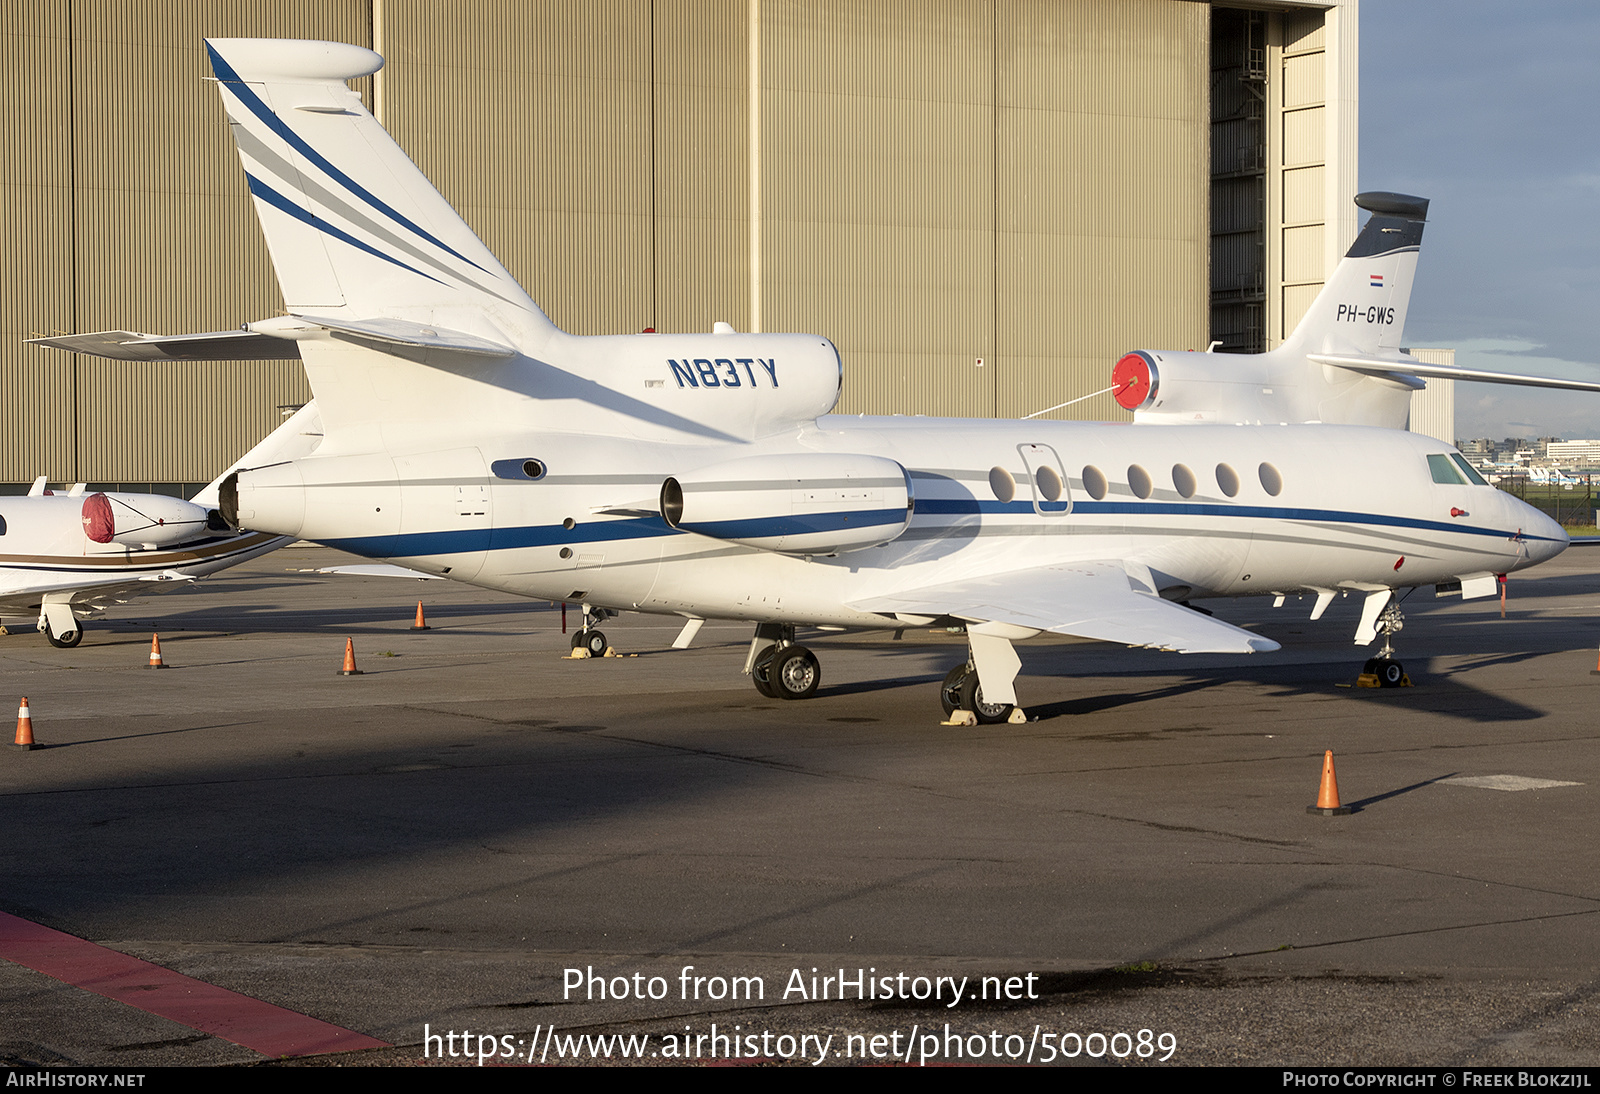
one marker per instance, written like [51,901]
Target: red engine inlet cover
[1131,377]
[98,523]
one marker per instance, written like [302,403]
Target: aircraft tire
[795,673]
[988,714]
[1390,673]
[65,641]
[592,640]
[761,672]
[950,691]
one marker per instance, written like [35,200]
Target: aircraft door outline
[1052,494]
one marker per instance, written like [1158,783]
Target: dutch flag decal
[1377,281]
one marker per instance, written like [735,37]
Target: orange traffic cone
[1596,670]
[24,727]
[420,624]
[349,659]
[155,653]
[1328,796]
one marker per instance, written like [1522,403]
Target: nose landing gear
[1383,671]
[589,637]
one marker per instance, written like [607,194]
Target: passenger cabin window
[1444,471]
[1183,481]
[1139,481]
[1271,481]
[1227,480]
[1048,480]
[1468,470]
[1001,482]
[1094,482]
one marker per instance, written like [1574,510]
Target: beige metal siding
[160,237]
[37,389]
[701,124]
[877,161]
[1299,97]
[1433,409]
[1021,182]
[533,120]
[1102,194]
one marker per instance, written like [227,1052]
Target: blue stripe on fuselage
[808,524]
[965,506]
[469,540]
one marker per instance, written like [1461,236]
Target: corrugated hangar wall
[1021,182]
[125,208]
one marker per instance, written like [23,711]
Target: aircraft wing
[87,600]
[1100,600]
[373,570]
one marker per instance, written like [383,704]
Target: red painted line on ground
[270,1030]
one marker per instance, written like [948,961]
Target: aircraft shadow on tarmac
[282,826]
[921,662]
[341,616]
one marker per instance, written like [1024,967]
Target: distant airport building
[982,204]
[1575,455]
[1433,409]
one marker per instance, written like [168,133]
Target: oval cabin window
[1139,481]
[1227,480]
[1094,482]
[1271,481]
[1001,482]
[1048,479]
[1183,481]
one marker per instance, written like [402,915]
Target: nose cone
[1543,537]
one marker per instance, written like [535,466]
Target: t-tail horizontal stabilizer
[216,345]
[1406,368]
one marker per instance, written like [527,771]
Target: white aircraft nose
[1545,539]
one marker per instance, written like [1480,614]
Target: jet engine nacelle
[809,504]
[1282,386]
[1189,386]
[142,520]
[315,497]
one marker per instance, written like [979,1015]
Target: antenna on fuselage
[1113,389]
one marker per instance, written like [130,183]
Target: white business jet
[701,475]
[67,556]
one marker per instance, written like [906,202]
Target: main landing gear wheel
[64,641]
[761,672]
[960,691]
[593,641]
[950,690]
[794,674]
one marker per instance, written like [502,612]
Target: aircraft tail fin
[1362,308]
[356,231]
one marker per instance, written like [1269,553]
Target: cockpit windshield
[1454,470]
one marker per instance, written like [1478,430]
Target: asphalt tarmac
[421,852]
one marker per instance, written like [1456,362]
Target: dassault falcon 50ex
[63,556]
[702,475]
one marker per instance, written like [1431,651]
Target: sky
[1492,110]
